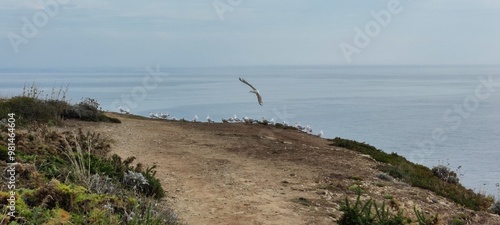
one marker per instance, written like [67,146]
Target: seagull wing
[259,98]
[244,81]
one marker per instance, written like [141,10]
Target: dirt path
[252,174]
[206,183]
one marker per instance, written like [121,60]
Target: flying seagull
[255,91]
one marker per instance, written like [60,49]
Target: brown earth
[255,174]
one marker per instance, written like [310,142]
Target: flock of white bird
[234,118]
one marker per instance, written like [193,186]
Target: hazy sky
[136,33]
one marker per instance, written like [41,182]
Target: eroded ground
[257,174]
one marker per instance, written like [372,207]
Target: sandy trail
[256,174]
[206,182]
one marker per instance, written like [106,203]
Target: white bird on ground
[195,119]
[126,111]
[236,119]
[254,90]
[155,115]
[271,121]
[298,126]
[308,129]
[209,120]
[164,116]
[320,134]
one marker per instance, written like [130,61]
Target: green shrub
[154,188]
[29,110]
[112,167]
[84,186]
[4,153]
[423,220]
[495,208]
[87,110]
[418,175]
[456,221]
[117,170]
[149,212]
[4,109]
[446,174]
[369,213]
[67,203]
[53,166]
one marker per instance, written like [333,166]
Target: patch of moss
[388,196]
[102,216]
[87,202]
[55,194]
[58,217]
[356,178]
[356,188]
[22,210]
[69,189]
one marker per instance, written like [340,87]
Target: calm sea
[431,115]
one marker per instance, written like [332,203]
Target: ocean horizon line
[140,68]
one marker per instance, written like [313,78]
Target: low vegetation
[495,208]
[68,177]
[446,174]
[441,181]
[32,107]
[65,174]
[369,213]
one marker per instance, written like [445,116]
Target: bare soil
[256,174]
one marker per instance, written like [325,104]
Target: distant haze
[116,33]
